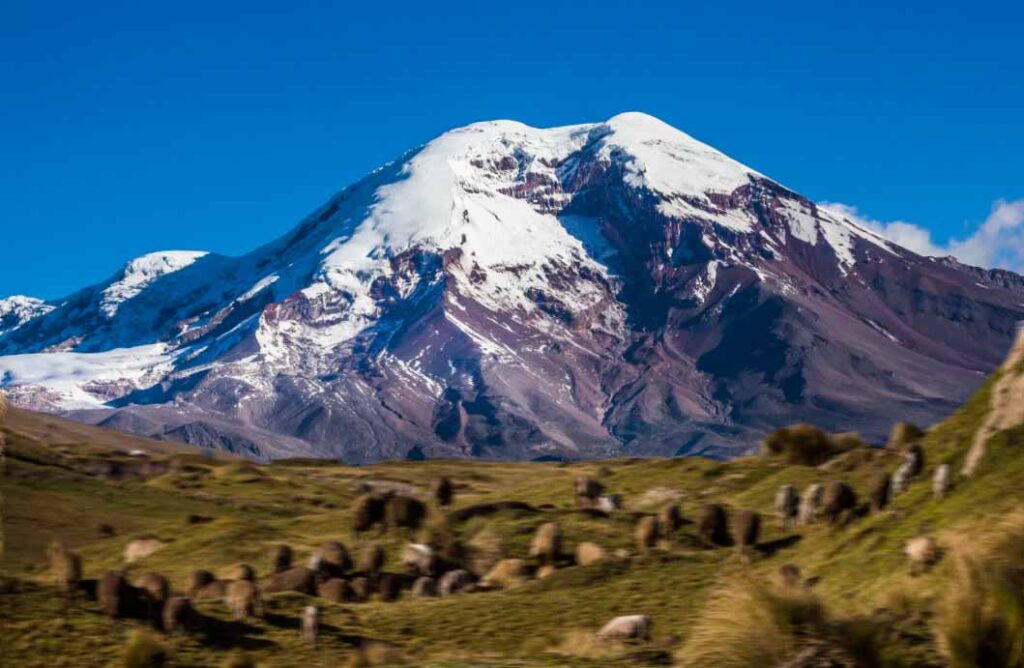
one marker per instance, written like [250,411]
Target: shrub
[981,617]
[801,444]
[143,651]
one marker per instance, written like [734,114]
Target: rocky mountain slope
[511,292]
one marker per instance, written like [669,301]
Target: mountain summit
[511,292]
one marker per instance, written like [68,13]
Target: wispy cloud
[997,242]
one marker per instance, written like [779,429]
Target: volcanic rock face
[509,292]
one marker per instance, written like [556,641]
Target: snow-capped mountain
[512,292]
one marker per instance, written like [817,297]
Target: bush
[802,444]
[981,620]
[143,651]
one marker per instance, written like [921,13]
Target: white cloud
[998,242]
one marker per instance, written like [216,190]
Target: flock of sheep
[430,570]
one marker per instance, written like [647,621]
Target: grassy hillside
[58,484]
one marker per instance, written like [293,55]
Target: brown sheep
[371,559]
[443,491]
[913,455]
[389,587]
[155,591]
[281,558]
[424,587]
[787,505]
[880,489]
[113,593]
[214,591]
[299,579]
[790,576]
[367,512]
[839,500]
[334,559]
[178,616]
[670,518]
[361,589]
[66,567]
[547,543]
[587,490]
[197,580]
[404,512]
[336,590]
[243,599]
[646,533]
[454,582]
[242,572]
[746,529]
[713,526]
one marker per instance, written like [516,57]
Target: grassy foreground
[57,485]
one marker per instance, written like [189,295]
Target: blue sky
[132,127]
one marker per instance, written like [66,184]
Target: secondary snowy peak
[141,272]
[15,311]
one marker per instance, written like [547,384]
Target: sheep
[713,526]
[790,576]
[913,454]
[646,533]
[336,590]
[310,625]
[361,589]
[839,500]
[389,587]
[178,616]
[66,567]
[299,579]
[370,560]
[901,479]
[141,548]
[420,559]
[424,587]
[547,543]
[367,512]
[281,558]
[507,574]
[242,572]
[334,559]
[670,518]
[454,582]
[155,591]
[941,481]
[586,491]
[787,505]
[404,512]
[443,491]
[113,592]
[922,552]
[608,503]
[588,554]
[243,598]
[746,529]
[881,488]
[214,591]
[198,580]
[810,504]
[627,627]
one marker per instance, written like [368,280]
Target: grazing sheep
[299,579]
[913,455]
[588,554]
[310,624]
[178,616]
[941,481]
[198,580]
[443,491]
[746,529]
[901,479]
[404,512]
[141,548]
[646,533]
[546,571]
[609,503]
[810,503]
[507,574]
[367,512]
[389,587]
[66,567]
[839,500]
[922,552]
[113,592]
[586,491]
[787,505]
[670,519]
[454,582]
[334,559]
[155,591]
[336,590]
[547,543]
[243,599]
[371,559]
[214,591]
[790,576]
[881,488]
[713,526]
[627,627]
[424,587]
[361,589]
[242,572]
[281,558]
[420,559]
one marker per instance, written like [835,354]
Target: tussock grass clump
[981,616]
[143,651]
[805,444]
[750,624]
